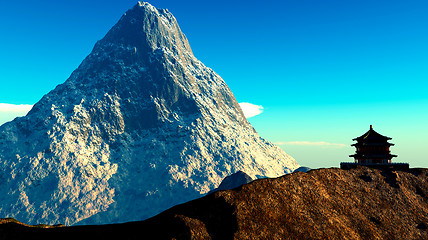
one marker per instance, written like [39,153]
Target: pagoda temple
[372,150]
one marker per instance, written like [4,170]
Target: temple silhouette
[372,150]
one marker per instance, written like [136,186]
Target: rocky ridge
[141,120]
[361,203]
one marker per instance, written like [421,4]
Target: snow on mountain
[141,125]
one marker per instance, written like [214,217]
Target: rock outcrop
[140,126]
[233,181]
[331,203]
[302,169]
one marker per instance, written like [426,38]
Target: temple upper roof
[372,136]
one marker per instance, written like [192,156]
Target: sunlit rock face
[141,125]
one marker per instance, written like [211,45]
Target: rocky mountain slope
[331,203]
[140,126]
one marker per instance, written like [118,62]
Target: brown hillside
[331,203]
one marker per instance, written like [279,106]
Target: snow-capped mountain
[141,125]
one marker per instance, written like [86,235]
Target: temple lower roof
[389,156]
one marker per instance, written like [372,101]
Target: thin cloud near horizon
[307,143]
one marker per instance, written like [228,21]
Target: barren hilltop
[362,203]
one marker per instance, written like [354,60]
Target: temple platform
[381,166]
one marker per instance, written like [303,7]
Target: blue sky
[323,71]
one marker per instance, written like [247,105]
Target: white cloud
[251,110]
[306,143]
[12,108]
[10,111]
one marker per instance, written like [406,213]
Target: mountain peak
[145,28]
[158,11]
[145,4]
[149,6]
